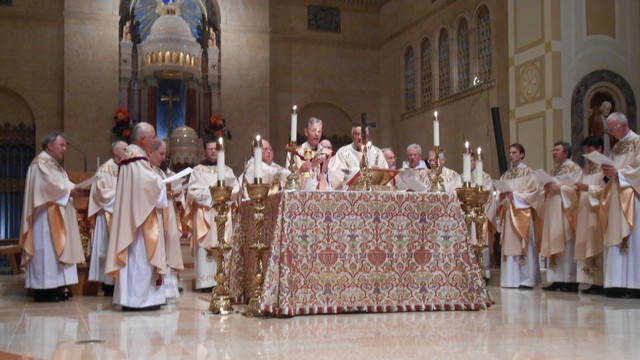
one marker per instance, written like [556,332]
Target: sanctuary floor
[521,325]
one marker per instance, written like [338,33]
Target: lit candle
[294,124]
[466,164]
[257,158]
[479,170]
[436,129]
[221,168]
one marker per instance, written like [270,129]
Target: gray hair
[386,149]
[115,144]
[313,120]
[566,147]
[157,144]
[51,137]
[414,146]
[619,117]
[141,128]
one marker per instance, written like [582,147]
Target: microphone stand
[84,156]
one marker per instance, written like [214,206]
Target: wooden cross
[170,99]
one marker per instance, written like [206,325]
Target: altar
[341,252]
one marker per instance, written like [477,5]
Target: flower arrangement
[123,125]
[217,129]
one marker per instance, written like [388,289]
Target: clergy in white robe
[272,174]
[589,236]
[136,254]
[312,158]
[619,211]
[49,235]
[170,229]
[414,158]
[559,221]
[346,162]
[100,212]
[200,216]
[520,224]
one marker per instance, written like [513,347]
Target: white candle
[98,163]
[466,164]
[257,158]
[479,170]
[221,168]
[436,129]
[294,124]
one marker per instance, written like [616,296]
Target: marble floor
[521,325]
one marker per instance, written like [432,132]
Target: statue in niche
[597,124]
[126,32]
[212,38]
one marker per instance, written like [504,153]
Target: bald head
[143,135]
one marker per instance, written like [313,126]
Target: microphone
[84,156]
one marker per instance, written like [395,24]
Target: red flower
[126,132]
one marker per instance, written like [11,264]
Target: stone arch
[592,89]
[336,123]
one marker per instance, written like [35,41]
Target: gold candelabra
[293,180]
[257,193]
[437,183]
[472,201]
[220,300]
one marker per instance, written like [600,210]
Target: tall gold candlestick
[257,193]
[220,300]
[293,180]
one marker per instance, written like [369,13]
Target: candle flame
[466,145]
[435,115]
[295,107]
[479,151]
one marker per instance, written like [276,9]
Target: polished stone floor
[521,325]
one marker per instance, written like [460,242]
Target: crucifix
[170,99]
[365,125]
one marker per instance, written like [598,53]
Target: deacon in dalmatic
[620,214]
[49,234]
[521,225]
[346,163]
[558,233]
[136,255]
[589,236]
[200,215]
[101,200]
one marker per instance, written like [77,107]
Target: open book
[378,176]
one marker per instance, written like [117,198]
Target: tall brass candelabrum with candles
[293,180]
[437,183]
[258,194]
[220,300]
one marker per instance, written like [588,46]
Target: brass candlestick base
[437,183]
[293,180]
[466,195]
[258,194]
[220,300]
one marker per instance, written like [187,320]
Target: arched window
[444,69]
[463,55]
[425,63]
[409,79]
[484,44]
